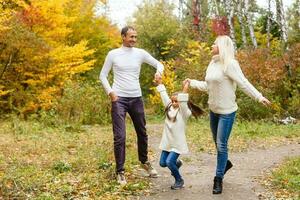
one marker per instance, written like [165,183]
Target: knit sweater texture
[173,137]
[126,65]
[221,86]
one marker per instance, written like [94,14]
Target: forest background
[51,53]
[55,123]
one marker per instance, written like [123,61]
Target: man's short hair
[126,29]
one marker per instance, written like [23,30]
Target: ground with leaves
[243,181]
[40,160]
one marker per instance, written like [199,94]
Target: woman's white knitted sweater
[221,86]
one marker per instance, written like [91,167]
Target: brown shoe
[150,169]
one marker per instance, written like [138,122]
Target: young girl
[173,142]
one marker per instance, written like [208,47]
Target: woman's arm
[200,85]
[235,73]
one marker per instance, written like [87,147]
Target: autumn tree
[36,57]
[100,35]
[293,18]
[154,28]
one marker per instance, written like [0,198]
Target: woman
[223,74]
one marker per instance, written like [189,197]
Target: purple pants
[134,106]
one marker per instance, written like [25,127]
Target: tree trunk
[216,6]
[240,15]
[268,23]
[7,65]
[249,20]
[281,20]
[229,8]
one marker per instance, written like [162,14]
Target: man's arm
[103,77]
[147,58]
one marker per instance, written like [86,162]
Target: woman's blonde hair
[226,50]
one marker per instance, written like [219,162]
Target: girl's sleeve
[184,109]
[163,94]
[200,85]
[235,73]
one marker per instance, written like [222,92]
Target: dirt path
[198,172]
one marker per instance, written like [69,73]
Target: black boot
[228,166]
[217,185]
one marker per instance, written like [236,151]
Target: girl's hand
[185,86]
[265,101]
[187,80]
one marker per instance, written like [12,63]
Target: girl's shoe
[178,185]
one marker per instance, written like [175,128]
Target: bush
[84,103]
[80,103]
[250,109]
[277,77]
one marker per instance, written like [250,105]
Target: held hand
[187,80]
[185,86]
[113,97]
[265,101]
[158,74]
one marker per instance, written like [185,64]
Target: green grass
[285,180]
[77,162]
[245,135]
[38,162]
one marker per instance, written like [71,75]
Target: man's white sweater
[221,85]
[126,65]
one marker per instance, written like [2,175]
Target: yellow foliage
[45,98]
[30,107]
[52,12]
[45,71]
[275,43]
[4,92]
[69,60]
[5,15]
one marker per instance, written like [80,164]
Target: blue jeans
[221,125]
[168,159]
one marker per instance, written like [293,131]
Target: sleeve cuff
[260,98]
[161,88]
[109,91]
[160,68]
[193,83]
[183,97]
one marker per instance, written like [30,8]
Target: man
[126,97]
